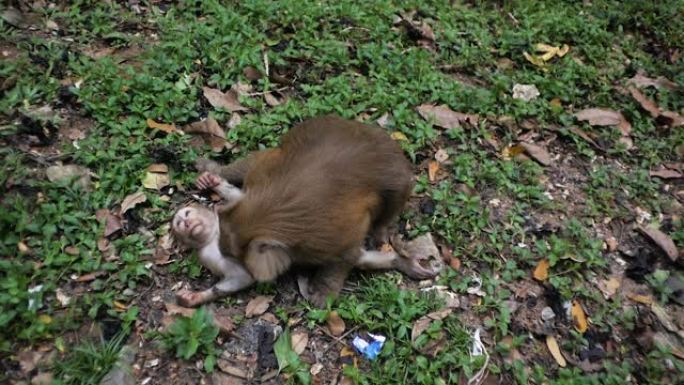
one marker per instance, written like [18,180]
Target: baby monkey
[197,227]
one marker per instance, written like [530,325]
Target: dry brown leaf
[158,167]
[210,131]
[423,322]
[645,103]
[223,322]
[258,305]
[609,287]
[600,117]
[63,173]
[168,128]
[445,117]
[29,359]
[666,174]
[662,240]
[640,80]
[299,342]
[537,153]
[455,263]
[335,324]
[132,200]
[157,177]
[671,119]
[112,221]
[271,99]
[433,168]
[383,120]
[228,100]
[541,272]
[234,121]
[251,73]
[90,276]
[441,155]
[552,344]
[579,317]
[173,309]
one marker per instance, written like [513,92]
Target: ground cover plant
[547,139]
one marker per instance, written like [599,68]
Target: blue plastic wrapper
[369,349]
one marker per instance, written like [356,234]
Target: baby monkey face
[195,226]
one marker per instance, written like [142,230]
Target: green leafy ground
[104,68]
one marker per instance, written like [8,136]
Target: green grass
[346,58]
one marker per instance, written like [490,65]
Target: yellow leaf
[541,272]
[155,180]
[433,167]
[645,299]
[45,319]
[555,102]
[168,128]
[541,47]
[552,344]
[549,55]
[512,151]
[118,306]
[398,135]
[534,60]
[563,50]
[579,317]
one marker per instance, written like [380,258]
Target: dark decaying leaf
[132,200]
[671,119]
[662,240]
[112,221]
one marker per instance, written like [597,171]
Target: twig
[337,339]
[267,92]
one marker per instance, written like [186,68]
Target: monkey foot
[208,181]
[316,295]
[188,298]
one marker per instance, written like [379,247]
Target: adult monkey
[311,201]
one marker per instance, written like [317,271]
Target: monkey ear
[266,259]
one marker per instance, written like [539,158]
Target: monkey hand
[188,298]
[208,180]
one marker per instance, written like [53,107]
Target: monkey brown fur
[313,200]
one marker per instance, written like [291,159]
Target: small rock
[547,314]
[525,92]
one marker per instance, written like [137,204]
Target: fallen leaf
[662,240]
[512,151]
[90,276]
[223,322]
[234,121]
[441,155]
[132,200]
[666,174]
[65,173]
[228,100]
[599,117]
[552,344]
[609,287]
[258,305]
[29,359]
[537,153]
[157,177]
[645,103]
[579,317]
[640,80]
[271,99]
[418,27]
[299,342]
[445,117]
[230,368]
[251,73]
[335,324]
[669,118]
[168,128]
[112,221]
[210,131]
[541,272]
[173,309]
[270,317]
[45,378]
[423,322]
[455,263]
[640,298]
[119,306]
[525,92]
[663,317]
[433,168]
[383,120]
[398,135]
